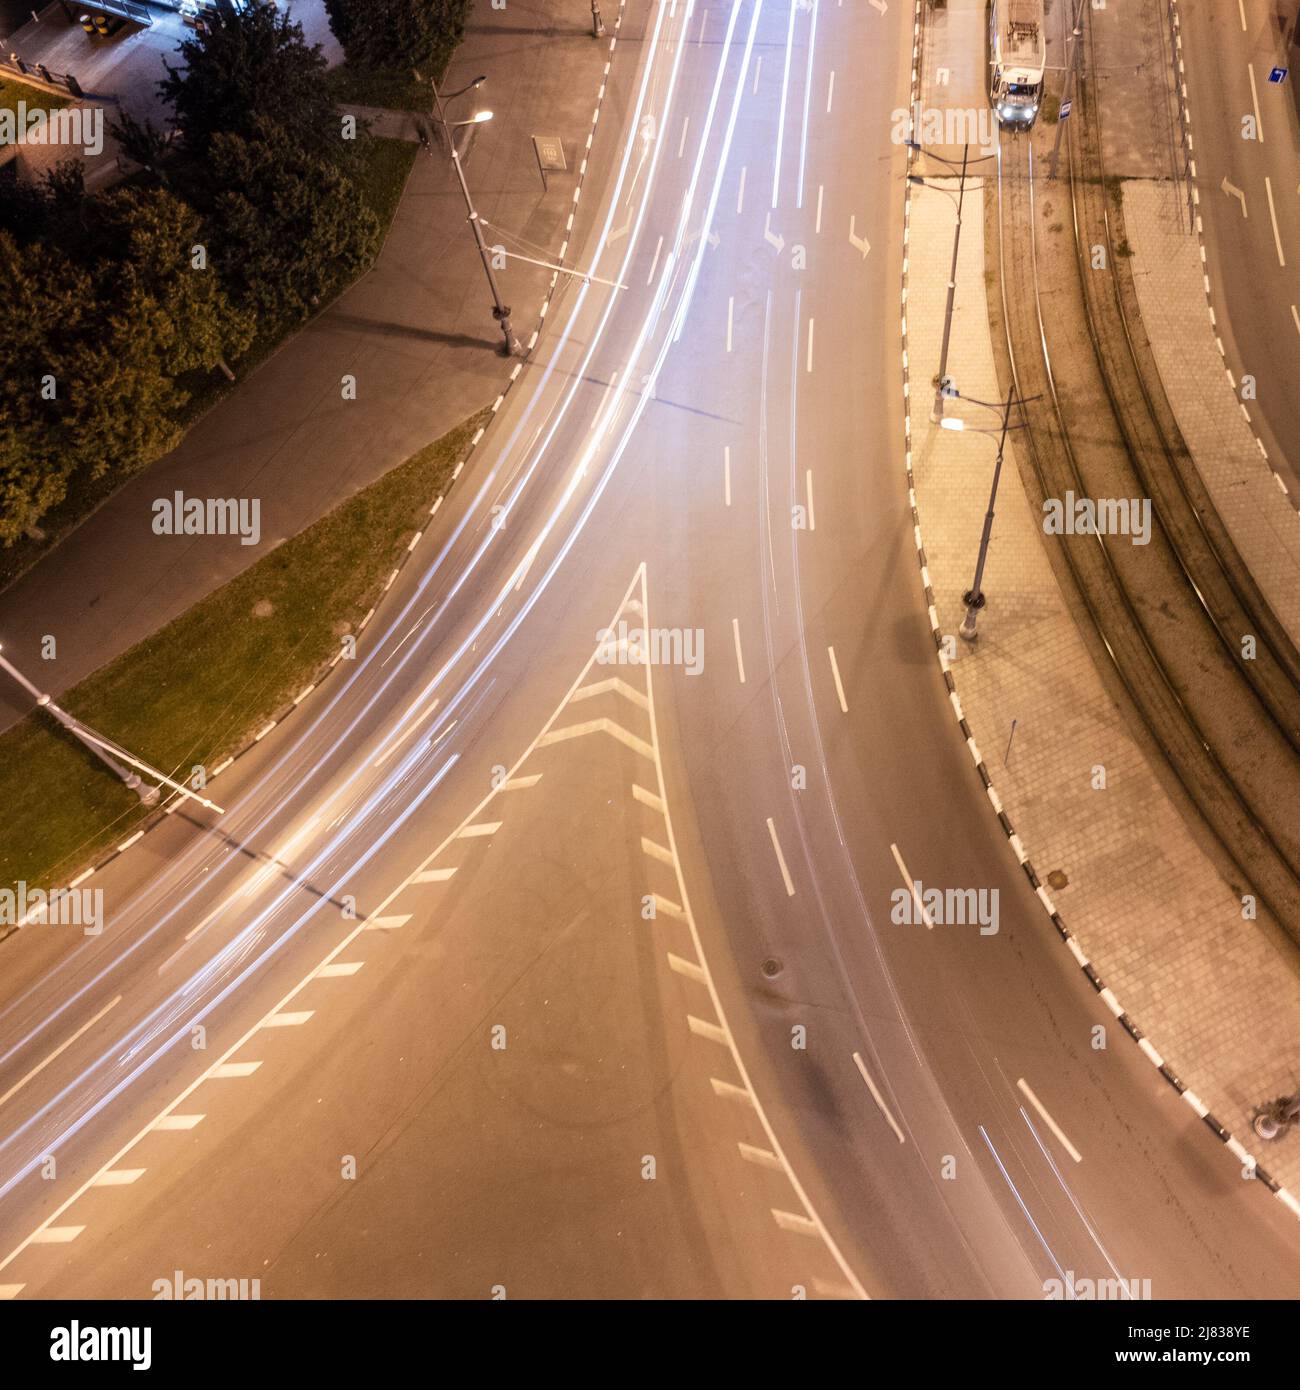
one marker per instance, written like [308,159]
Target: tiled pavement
[1149,909]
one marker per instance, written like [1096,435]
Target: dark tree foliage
[398,33]
[249,69]
[286,226]
[104,318]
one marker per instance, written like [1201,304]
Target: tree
[286,227]
[248,69]
[46,298]
[101,328]
[82,388]
[399,33]
[156,251]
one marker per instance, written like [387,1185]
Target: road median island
[198,690]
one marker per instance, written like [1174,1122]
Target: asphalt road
[526,970]
[1250,204]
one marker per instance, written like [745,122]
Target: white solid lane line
[62,1047]
[839,684]
[1272,212]
[911,886]
[780,859]
[877,1097]
[740,660]
[1254,97]
[1029,1095]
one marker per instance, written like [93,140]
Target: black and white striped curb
[1225,1136]
[158,817]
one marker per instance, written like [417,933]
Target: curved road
[519,968]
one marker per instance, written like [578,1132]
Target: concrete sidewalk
[416,332]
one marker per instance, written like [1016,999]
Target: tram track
[1170,615]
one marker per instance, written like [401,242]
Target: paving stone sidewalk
[1214,994]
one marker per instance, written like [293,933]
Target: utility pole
[941,381]
[973,598]
[511,346]
[107,751]
[937,412]
[1076,47]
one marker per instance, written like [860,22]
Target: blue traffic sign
[1065,110]
[1278,75]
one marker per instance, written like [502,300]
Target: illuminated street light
[917,181]
[511,346]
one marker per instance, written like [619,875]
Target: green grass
[387,167]
[197,690]
[11,93]
[396,90]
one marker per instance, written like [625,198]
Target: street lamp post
[511,346]
[1071,68]
[103,749]
[936,412]
[974,598]
[597,24]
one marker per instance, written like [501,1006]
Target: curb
[152,822]
[1221,1132]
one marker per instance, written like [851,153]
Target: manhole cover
[771,967]
[1057,879]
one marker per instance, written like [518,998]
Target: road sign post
[549,150]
